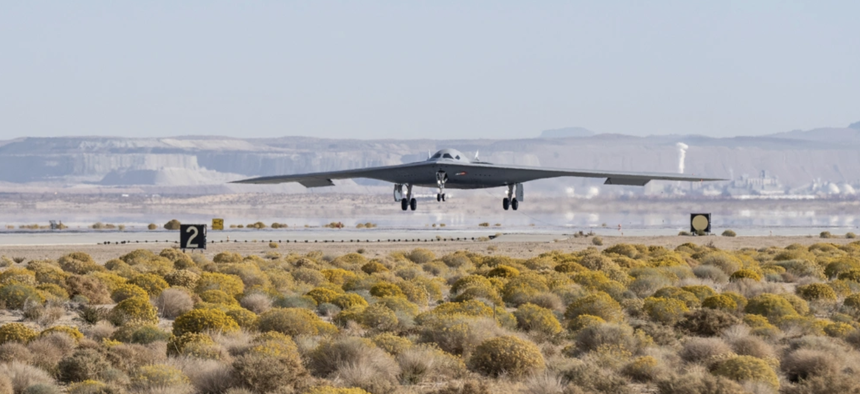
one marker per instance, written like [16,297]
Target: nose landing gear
[441,178]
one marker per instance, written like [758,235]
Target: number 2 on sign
[195,232]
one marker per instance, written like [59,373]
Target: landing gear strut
[441,178]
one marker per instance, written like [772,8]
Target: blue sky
[441,69]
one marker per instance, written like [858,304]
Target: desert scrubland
[665,315]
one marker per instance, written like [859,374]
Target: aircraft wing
[510,174]
[320,179]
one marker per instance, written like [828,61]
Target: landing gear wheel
[443,196]
[506,203]
[438,197]
[404,204]
[413,204]
[515,204]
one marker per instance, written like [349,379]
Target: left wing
[401,173]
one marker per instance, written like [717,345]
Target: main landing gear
[512,198]
[408,203]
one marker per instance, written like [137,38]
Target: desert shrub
[771,306]
[174,302]
[590,378]
[182,278]
[688,298]
[379,317]
[94,290]
[642,369]
[606,336]
[140,333]
[531,317]
[421,256]
[720,302]
[230,284]
[698,383]
[16,296]
[704,350]
[53,292]
[16,332]
[424,361]
[838,330]
[70,331]
[265,372]
[729,233]
[14,351]
[201,320]
[322,295]
[645,285]
[78,263]
[852,301]
[747,368]
[802,325]
[386,289]
[151,283]
[745,274]
[256,302]
[825,234]
[22,376]
[583,321]
[157,378]
[851,275]
[293,322]
[244,318]
[700,291]
[817,292]
[711,272]
[373,267]
[801,268]
[598,304]
[133,309]
[597,241]
[83,364]
[503,271]
[177,344]
[391,343]
[665,310]
[799,304]
[346,301]
[707,322]
[218,297]
[349,260]
[126,291]
[18,275]
[506,355]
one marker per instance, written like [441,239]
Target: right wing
[319,179]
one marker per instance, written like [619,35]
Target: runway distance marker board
[217,224]
[192,236]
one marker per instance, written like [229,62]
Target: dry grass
[256,302]
[173,302]
[23,376]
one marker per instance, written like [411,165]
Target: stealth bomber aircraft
[451,169]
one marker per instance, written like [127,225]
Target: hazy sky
[417,69]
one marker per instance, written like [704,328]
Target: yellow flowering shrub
[507,355]
[16,332]
[202,320]
[133,310]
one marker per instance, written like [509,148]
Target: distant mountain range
[796,157]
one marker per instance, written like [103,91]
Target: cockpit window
[447,156]
[438,155]
[458,157]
